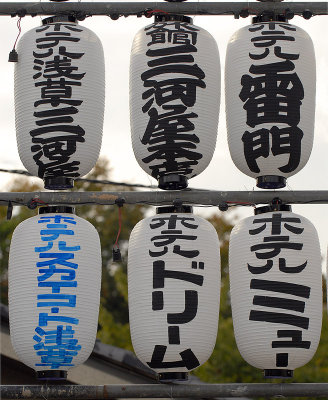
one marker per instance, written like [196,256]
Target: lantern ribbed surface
[59,100]
[270,82]
[174,291]
[276,289]
[54,290]
[174,98]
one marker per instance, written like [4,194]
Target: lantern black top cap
[57,210]
[59,18]
[272,207]
[172,17]
[174,209]
[269,17]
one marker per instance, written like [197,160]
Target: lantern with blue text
[276,290]
[59,101]
[54,290]
[174,292]
[270,83]
[174,99]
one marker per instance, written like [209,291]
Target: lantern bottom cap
[51,375]
[172,182]
[278,373]
[271,182]
[172,376]
[58,183]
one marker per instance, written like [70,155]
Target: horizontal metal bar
[164,391]
[139,8]
[157,198]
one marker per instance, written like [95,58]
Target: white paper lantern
[270,83]
[276,291]
[174,292]
[59,101]
[54,290]
[174,100]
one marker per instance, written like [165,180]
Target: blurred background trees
[225,364]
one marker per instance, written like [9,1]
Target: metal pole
[169,197]
[164,391]
[139,8]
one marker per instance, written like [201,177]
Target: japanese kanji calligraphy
[59,85]
[51,287]
[174,281]
[276,296]
[270,97]
[173,131]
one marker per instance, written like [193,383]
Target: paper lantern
[174,99]
[174,292]
[54,290]
[59,101]
[270,101]
[276,290]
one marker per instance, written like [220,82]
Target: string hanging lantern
[276,289]
[174,291]
[54,291]
[270,83]
[174,99]
[59,101]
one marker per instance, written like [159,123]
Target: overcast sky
[221,174]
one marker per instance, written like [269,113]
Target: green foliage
[225,365]
[113,332]
[7,228]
